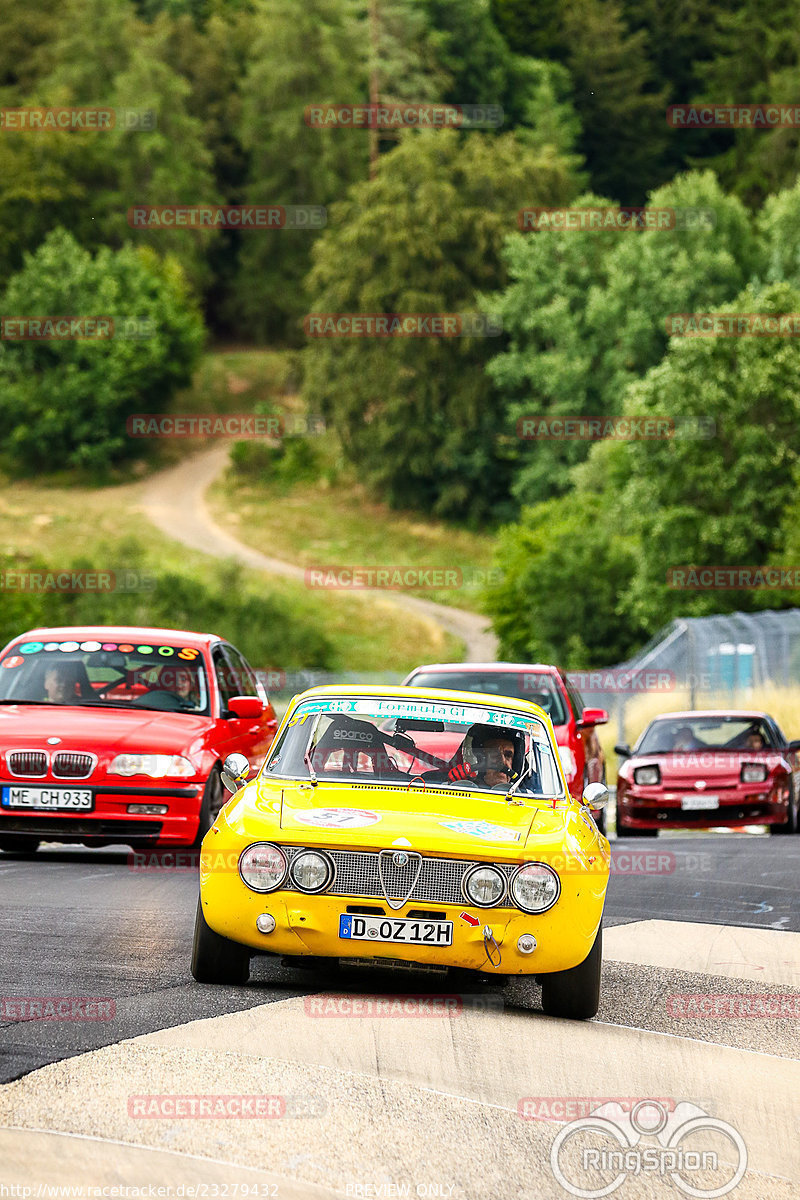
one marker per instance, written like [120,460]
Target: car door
[252,735]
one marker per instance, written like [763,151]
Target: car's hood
[97,729]
[436,821]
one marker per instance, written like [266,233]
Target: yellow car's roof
[441,695]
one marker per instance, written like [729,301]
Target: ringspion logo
[700,1155]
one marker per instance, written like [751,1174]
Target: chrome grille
[32,763]
[69,764]
[439,878]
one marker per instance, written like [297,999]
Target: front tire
[790,822]
[575,994]
[623,831]
[20,845]
[216,959]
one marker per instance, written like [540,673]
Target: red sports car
[701,769]
[118,734]
[578,744]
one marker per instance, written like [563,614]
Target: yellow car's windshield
[347,739]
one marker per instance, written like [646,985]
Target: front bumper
[109,820]
[308,925]
[649,808]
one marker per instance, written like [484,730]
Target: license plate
[43,797]
[385,929]
[696,803]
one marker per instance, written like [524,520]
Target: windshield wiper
[307,756]
[523,775]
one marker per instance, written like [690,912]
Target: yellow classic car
[408,826]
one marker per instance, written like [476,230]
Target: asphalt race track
[709,914]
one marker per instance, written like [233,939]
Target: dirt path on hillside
[174,500]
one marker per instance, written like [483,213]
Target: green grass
[322,518]
[106,527]
[302,503]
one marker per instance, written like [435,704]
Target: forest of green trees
[586,532]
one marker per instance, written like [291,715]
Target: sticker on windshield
[335,818]
[454,714]
[483,830]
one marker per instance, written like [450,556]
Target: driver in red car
[59,683]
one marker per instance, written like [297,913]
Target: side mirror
[595,795]
[592,717]
[246,706]
[795,745]
[623,750]
[234,772]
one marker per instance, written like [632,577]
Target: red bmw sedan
[118,734]
[693,770]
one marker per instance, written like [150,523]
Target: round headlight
[263,867]
[484,886]
[535,888]
[311,872]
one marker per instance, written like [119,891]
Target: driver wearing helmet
[486,756]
